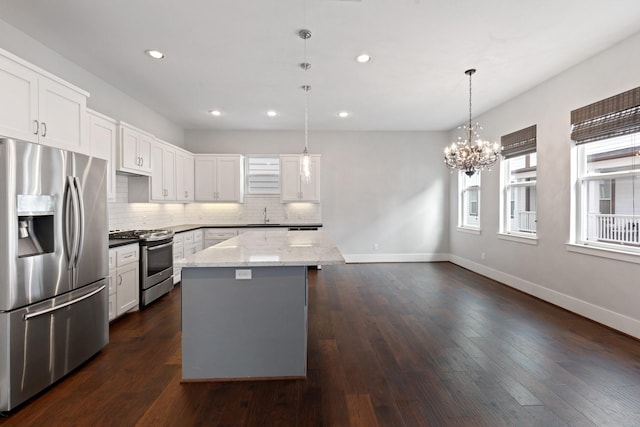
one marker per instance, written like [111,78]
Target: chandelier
[305,159]
[472,153]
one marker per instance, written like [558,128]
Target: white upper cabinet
[292,187]
[219,178]
[134,150]
[161,185]
[163,172]
[184,176]
[103,137]
[39,107]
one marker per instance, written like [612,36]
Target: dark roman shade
[519,143]
[615,116]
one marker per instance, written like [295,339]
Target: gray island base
[248,321]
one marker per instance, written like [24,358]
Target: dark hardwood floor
[389,345]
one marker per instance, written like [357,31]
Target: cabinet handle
[141,161]
[44,129]
[128,256]
[119,279]
[186,194]
[37,123]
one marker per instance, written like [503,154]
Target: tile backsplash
[125,215]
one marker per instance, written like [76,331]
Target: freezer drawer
[45,341]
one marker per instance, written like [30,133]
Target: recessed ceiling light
[155,54]
[344,114]
[215,113]
[363,58]
[272,113]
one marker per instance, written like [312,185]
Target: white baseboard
[620,322]
[372,258]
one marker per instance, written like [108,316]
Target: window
[519,198]
[263,174]
[469,207]
[607,196]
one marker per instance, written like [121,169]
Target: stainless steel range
[156,261]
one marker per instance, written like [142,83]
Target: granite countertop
[263,248]
[189,227]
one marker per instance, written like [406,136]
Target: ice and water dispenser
[35,224]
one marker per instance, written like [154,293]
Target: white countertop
[268,248]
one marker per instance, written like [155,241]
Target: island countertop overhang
[268,248]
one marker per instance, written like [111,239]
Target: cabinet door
[227,179]
[184,177]
[290,178]
[144,152]
[169,173]
[62,113]
[157,174]
[103,138]
[19,105]
[128,151]
[127,288]
[205,179]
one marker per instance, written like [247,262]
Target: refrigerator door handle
[63,305]
[67,222]
[80,221]
[75,220]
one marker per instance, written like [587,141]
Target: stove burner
[146,235]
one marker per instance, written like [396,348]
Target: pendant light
[471,154]
[305,159]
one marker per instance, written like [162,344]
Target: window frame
[248,175]
[507,204]
[463,204]
[581,178]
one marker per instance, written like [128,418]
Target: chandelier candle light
[471,154]
[305,159]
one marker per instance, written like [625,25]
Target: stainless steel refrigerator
[53,266]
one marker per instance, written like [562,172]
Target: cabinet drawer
[127,255]
[220,234]
[188,237]
[178,239]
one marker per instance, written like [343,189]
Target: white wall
[384,188]
[105,98]
[602,289]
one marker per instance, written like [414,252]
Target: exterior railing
[623,229]
[524,221]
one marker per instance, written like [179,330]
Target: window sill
[618,255]
[469,230]
[529,240]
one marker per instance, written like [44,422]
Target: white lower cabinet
[123,279]
[184,244]
[213,236]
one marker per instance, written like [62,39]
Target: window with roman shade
[607,138]
[518,177]
[263,174]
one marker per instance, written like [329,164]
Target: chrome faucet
[266,220]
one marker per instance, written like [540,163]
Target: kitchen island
[244,305]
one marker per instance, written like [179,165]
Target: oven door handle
[154,248]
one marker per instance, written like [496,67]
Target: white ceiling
[242,56]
